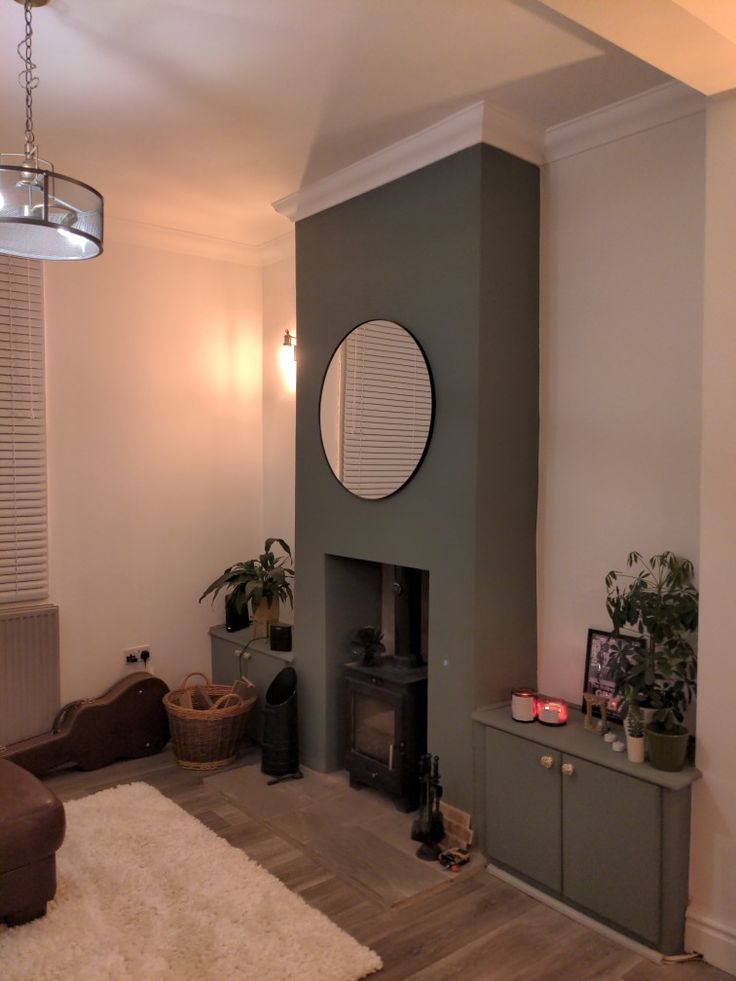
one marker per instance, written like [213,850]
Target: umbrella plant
[658,668]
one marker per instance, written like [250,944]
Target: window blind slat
[24,595]
[31,537]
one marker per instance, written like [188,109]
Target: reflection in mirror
[376,409]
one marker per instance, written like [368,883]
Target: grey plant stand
[559,809]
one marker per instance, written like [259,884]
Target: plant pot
[667,750]
[233,619]
[647,717]
[635,748]
[267,611]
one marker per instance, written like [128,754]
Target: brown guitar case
[127,722]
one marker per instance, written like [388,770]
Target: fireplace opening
[383,708]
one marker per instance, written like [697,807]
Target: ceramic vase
[635,748]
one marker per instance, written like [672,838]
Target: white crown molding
[715,941]
[184,243]
[276,249]
[484,122]
[515,134]
[663,104]
[478,123]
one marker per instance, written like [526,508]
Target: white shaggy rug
[148,893]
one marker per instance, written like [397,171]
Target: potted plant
[635,734]
[263,582]
[367,644]
[658,668]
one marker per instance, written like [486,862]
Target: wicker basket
[206,722]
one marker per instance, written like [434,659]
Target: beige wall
[712,913]
[279,404]
[620,396]
[154,408]
[638,348]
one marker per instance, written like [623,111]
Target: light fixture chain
[28,80]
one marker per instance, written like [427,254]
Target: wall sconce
[288,361]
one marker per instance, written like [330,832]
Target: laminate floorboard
[472,928]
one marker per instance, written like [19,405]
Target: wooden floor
[474,929]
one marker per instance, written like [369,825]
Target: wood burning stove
[387,727]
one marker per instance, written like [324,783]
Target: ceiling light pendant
[44,215]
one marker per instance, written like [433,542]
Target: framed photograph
[597,679]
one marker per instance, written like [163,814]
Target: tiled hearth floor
[425,926]
[358,833]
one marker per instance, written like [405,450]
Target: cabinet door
[611,846]
[523,807]
[225,666]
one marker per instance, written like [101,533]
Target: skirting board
[715,941]
[573,914]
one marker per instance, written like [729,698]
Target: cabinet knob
[568,769]
[547,762]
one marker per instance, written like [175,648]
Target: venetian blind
[23,518]
[386,407]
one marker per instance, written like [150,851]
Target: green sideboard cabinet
[559,809]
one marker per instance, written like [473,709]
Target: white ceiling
[197,114]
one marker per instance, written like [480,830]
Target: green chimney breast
[451,252]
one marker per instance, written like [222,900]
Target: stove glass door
[374,728]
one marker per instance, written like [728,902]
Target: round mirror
[376,409]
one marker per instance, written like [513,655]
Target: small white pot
[635,748]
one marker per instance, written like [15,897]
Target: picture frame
[596,680]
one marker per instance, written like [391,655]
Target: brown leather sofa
[32,826]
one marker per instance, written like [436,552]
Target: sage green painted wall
[508,426]
[451,253]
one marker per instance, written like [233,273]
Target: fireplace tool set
[428,827]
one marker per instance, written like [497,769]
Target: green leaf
[284,546]
[660,600]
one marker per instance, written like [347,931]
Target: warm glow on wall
[231,358]
[287,357]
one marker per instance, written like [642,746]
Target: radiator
[29,671]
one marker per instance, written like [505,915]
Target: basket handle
[221,702]
[193,674]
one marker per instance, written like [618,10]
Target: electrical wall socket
[133,654]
